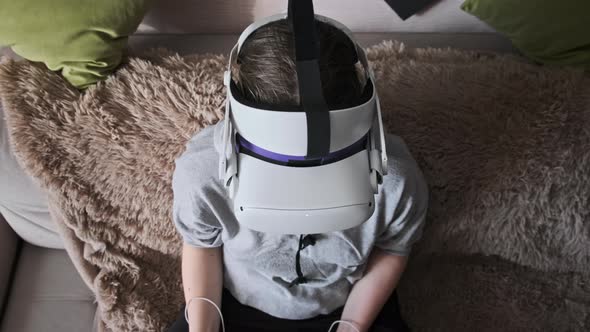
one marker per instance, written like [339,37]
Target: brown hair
[266,68]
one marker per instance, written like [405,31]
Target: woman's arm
[370,293]
[202,276]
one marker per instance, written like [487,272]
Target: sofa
[40,289]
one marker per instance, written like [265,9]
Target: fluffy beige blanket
[505,147]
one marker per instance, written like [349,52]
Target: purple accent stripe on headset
[346,152]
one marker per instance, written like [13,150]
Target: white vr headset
[307,170]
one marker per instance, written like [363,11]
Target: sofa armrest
[9,244]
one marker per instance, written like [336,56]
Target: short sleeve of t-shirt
[403,200]
[194,192]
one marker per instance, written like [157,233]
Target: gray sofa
[40,289]
[46,293]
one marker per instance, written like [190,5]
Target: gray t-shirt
[259,267]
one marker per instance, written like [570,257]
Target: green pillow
[548,31]
[84,39]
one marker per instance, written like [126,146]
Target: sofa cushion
[84,40]
[48,295]
[201,44]
[565,41]
[227,16]
[22,203]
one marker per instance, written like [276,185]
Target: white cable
[343,321]
[204,299]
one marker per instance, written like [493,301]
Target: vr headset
[308,169]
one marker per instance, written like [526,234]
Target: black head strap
[307,54]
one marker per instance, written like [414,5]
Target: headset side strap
[228,165]
[382,146]
[378,153]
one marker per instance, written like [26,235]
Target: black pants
[241,318]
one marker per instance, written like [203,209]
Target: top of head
[362,58]
[282,125]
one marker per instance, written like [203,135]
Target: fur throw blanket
[504,145]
